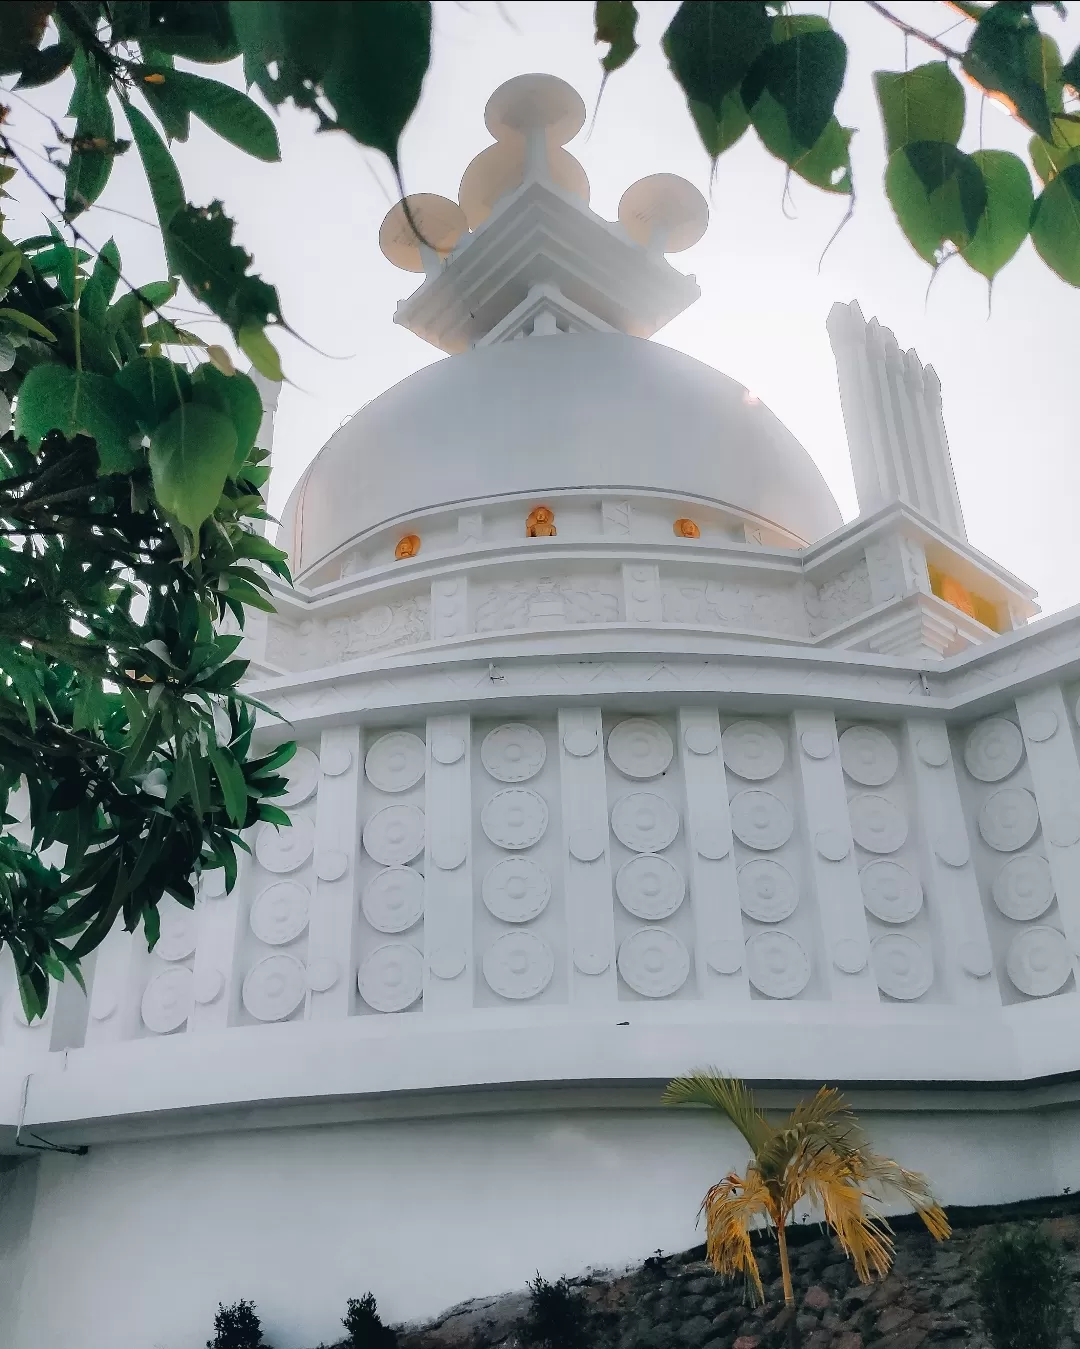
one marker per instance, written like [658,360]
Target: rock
[952,1297]
[806,1322]
[816,1298]
[658,1337]
[837,1275]
[696,1331]
[702,1284]
[911,1337]
[850,1339]
[892,1318]
[747,1342]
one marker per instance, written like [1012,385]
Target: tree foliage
[1021,1281]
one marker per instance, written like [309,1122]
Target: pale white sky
[1011,382]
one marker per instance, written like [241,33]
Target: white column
[218,920]
[332,919]
[714,886]
[831,859]
[963,959]
[1055,777]
[114,1000]
[448,901]
[641,593]
[590,915]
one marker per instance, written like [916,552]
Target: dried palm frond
[732,1208]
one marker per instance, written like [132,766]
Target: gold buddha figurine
[685,528]
[541,523]
[408,546]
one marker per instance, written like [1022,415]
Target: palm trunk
[789,1291]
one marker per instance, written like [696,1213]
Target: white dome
[544,414]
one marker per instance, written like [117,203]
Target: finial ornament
[408,546]
[540,523]
[664,213]
[440,221]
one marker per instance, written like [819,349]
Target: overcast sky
[1011,385]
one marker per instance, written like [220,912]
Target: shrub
[237,1327]
[1021,1282]
[557,1317]
[365,1327]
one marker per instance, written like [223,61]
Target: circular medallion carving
[515,818]
[332,865]
[302,772]
[849,956]
[208,986]
[1063,827]
[1024,888]
[591,959]
[335,760]
[650,887]
[876,823]
[449,854]
[760,820]
[393,900]
[447,749]
[933,750]
[518,965]
[1038,962]
[644,822]
[868,756]
[580,741]
[993,750]
[902,968]
[280,913]
[274,987]
[322,974]
[1042,724]
[396,762]
[753,750]
[701,739]
[832,844]
[640,748]
[212,883]
[1009,819]
[654,962]
[712,844]
[395,835]
[447,962]
[586,844]
[724,956]
[392,977]
[975,959]
[167,1000]
[816,744]
[767,890]
[953,849]
[777,964]
[516,890]
[514,752]
[177,939]
[285,849]
[890,892]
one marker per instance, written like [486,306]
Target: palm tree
[817,1154]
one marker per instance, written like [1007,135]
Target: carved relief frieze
[399,622]
[767,608]
[839,599]
[548,601]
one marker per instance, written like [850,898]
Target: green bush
[1021,1283]
[557,1317]
[237,1327]
[365,1327]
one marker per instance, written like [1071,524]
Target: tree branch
[950,53]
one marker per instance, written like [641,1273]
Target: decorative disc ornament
[167,1000]
[877,825]
[753,750]
[395,835]
[993,750]
[777,964]
[393,900]
[177,939]
[650,887]
[515,818]
[1024,888]
[767,890]
[280,913]
[760,820]
[516,890]
[1009,819]
[518,965]
[644,822]
[654,962]
[1038,961]
[868,756]
[392,977]
[396,762]
[640,748]
[287,848]
[274,988]
[302,772]
[890,892]
[514,752]
[902,968]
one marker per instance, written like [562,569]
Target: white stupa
[621,755]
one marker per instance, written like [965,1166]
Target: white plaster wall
[150,1236]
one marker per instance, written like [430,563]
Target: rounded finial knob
[664,213]
[500,169]
[440,222]
[535,103]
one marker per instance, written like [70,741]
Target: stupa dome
[549,413]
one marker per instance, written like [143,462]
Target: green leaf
[615,22]
[165,99]
[73,402]
[44,65]
[924,104]
[710,45]
[234,116]
[233,787]
[162,175]
[827,164]
[1007,217]
[1008,54]
[381,51]
[168,334]
[215,269]
[92,149]
[26,321]
[802,70]
[198,32]
[1055,224]
[261,352]
[107,269]
[938,194]
[156,386]
[191,453]
[10,266]
[1070,71]
[236,396]
[1050,157]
